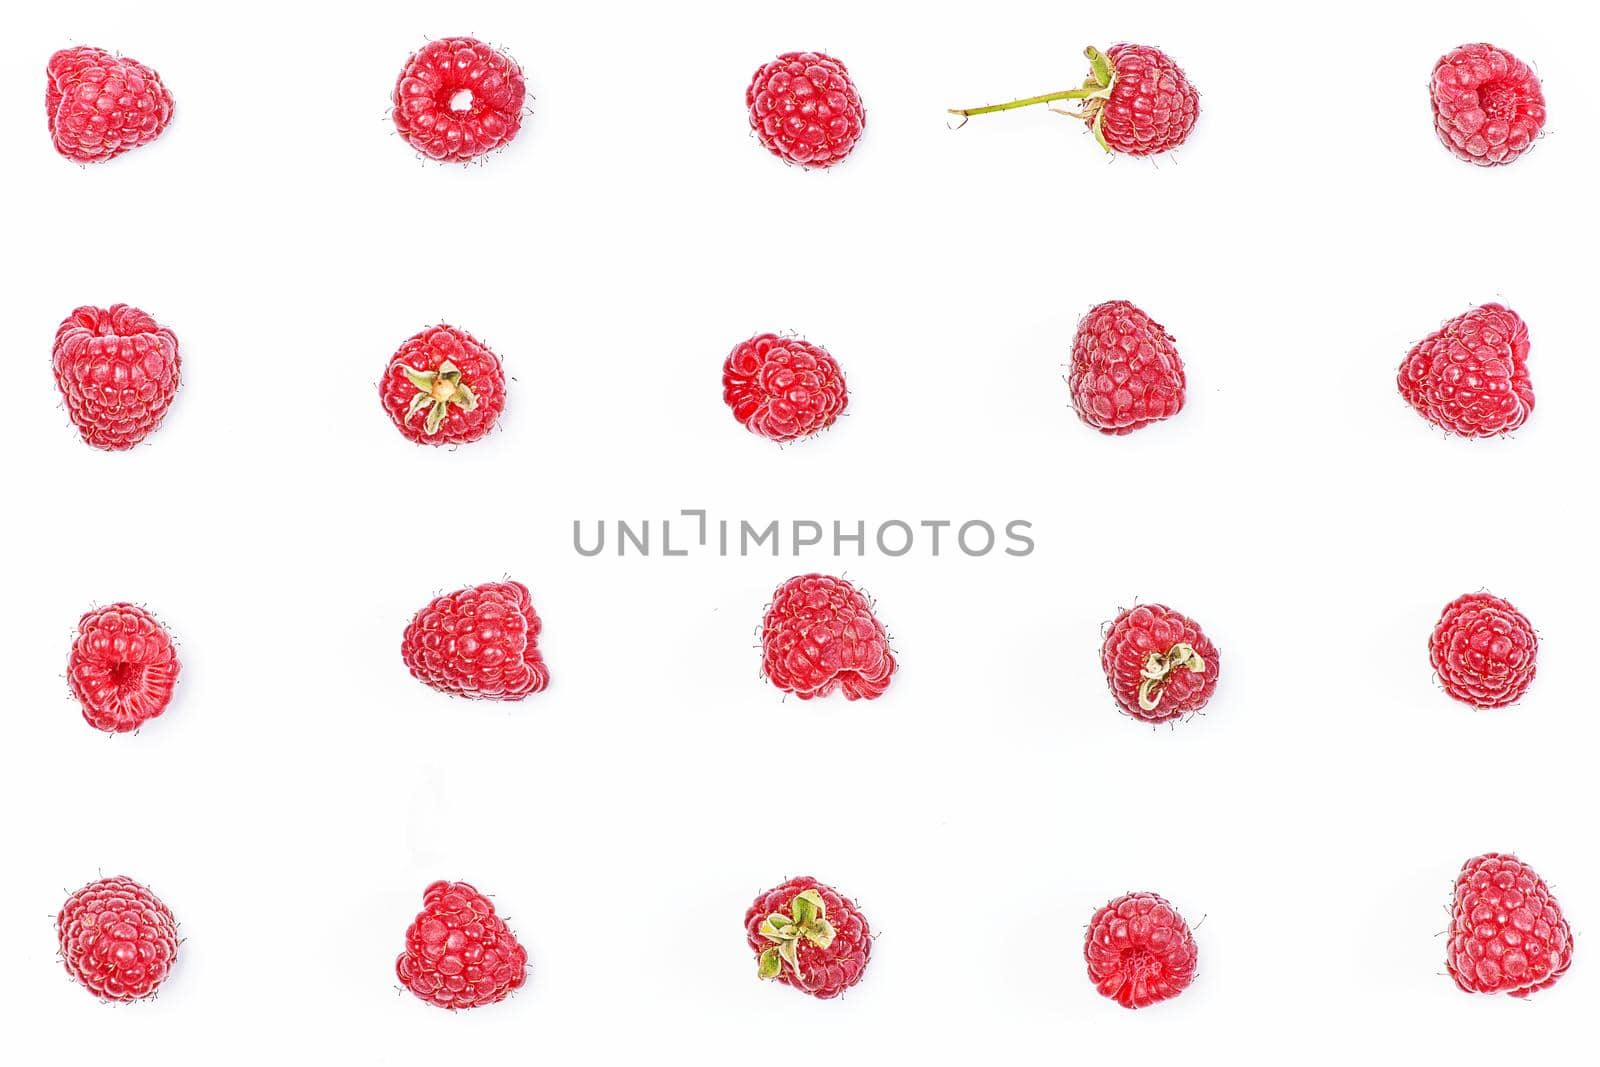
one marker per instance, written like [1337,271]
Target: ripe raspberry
[1135,100]
[100,105]
[1126,372]
[457,98]
[481,643]
[117,369]
[1470,376]
[1139,950]
[808,937]
[1160,667]
[459,953]
[805,109]
[819,636]
[782,387]
[1487,104]
[1484,651]
[117,939]
[1507,933]
[122,667]
[443,387]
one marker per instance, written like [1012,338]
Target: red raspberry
[122,667]
[1135,100]
[1487,104]
[1507,933]
[782,387]
[459,953]
[117,939]
[1160,667]
[457,98]
[117,369]
[808,937]
[443,387]
[1126,372]
[481,643]
[819,636]
[1140,951]
[1470,376]
[100,105]
[1484,651]
[805,109]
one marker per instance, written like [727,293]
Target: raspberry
[459,953]
[783,388]
[820,635]
[1507,933]
[481,643]
[1136,101]
[805,109]
[117,939]
[457,99]
[808,937]
[100,105]
[122,667]
[1470,376]
[117,369]
[1126,372]
[443,387]
[1484,651]
[1487,104]
[1160,667]
[1139,950]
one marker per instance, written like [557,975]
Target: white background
[302,789]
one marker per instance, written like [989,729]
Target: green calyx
[1094,92]
[807,921]
[437,390]
[1157,668]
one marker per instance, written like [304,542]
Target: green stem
[1047,98]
